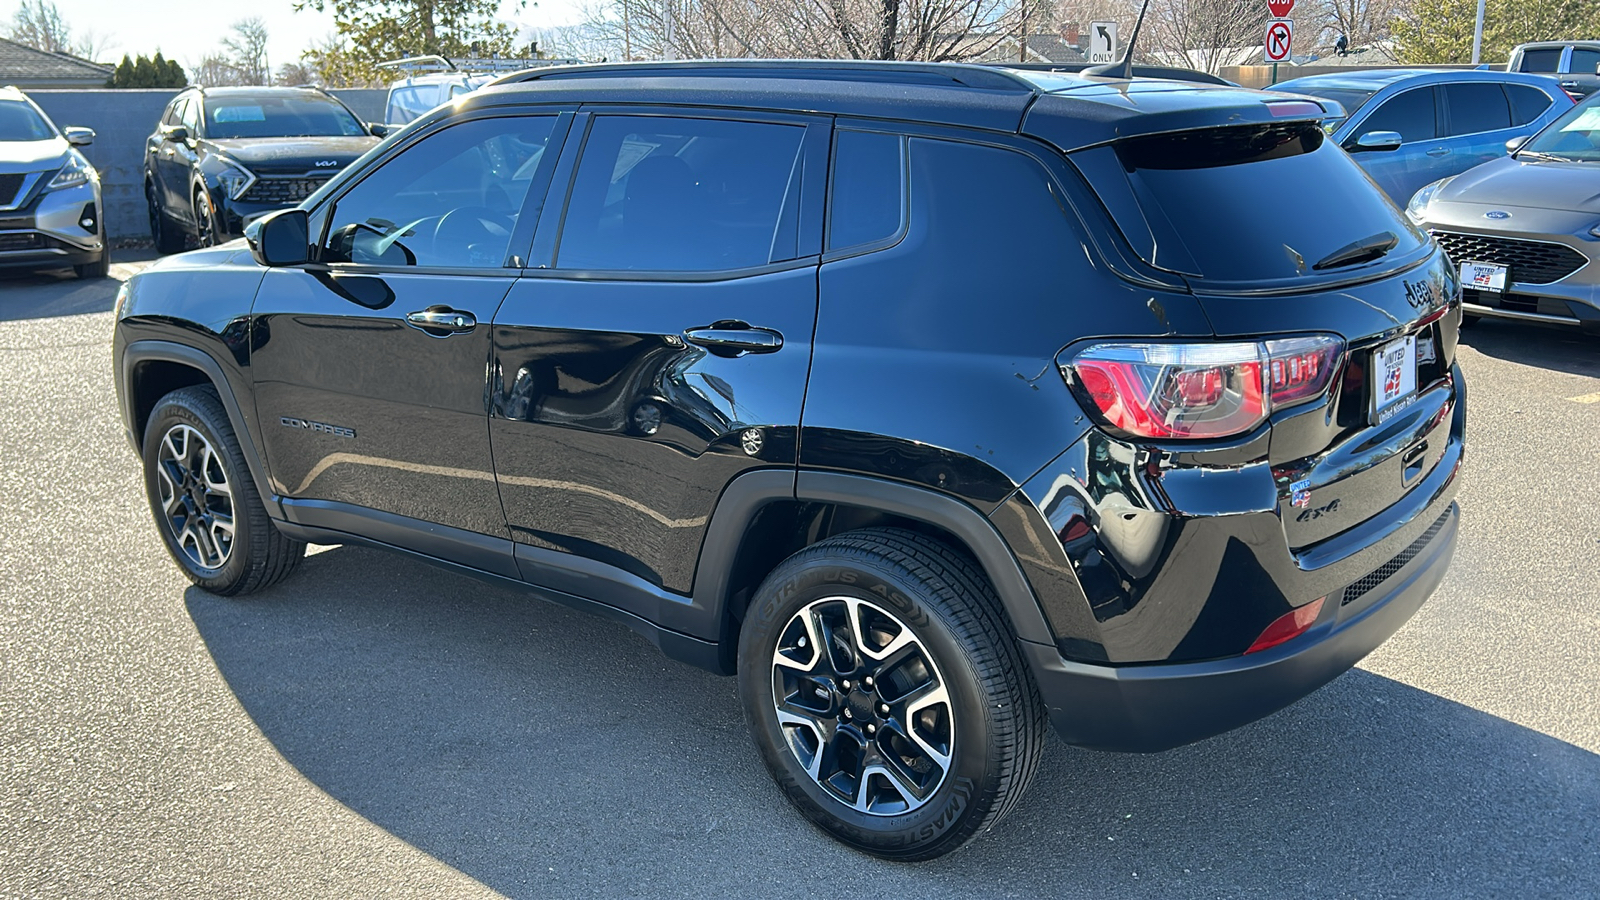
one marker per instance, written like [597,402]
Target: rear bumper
[1146,708]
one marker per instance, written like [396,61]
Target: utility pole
[627,32]
[670,29]
[1022,45]
[1477,34]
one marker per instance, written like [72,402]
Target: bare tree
[842,29]
[40,25]
[216,70]
[1205,34]
[246,51]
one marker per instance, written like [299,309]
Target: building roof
[26,67]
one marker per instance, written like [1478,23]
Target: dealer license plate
[1483,276]
[1394,371]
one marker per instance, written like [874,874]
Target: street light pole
[1477,34]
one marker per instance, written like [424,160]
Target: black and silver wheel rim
[205,229]
[155,214]
[196,496]
[862,706]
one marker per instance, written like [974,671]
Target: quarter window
[450,200]
[671,194]
[1527,103]
[1410,113]
[1476,108]
[1546,59]
[867,194]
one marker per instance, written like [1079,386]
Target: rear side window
[1527,103]
[1253,203]
[1545,59]
[1411,113]
[866,200]
[1584,61]
[1476,108]
[683,195]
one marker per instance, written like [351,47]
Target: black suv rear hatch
[1278,232]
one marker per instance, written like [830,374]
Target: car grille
[9,185]
[1381,574]
[1530,262]
[283,190]
[23,240]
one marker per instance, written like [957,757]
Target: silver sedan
[1524,231]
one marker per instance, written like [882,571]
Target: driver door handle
[1439,151]
[442,320]
[733,338]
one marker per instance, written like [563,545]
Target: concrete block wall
[122,119]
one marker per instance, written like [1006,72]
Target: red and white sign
[1280,8]
[1280,37]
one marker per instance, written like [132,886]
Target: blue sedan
[1411,127]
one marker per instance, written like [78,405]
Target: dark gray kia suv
[938,403]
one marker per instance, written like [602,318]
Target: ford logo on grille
[1491,214]
[327,162]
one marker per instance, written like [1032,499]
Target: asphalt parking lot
[378,727]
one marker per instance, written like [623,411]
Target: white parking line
[1586,398]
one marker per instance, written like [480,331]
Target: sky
[190,29]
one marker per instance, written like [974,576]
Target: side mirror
[1516,143]
[1597,68]
[378,129]
[78,136]
[175,133]
[1376,140]
[280,238]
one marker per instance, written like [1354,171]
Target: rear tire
[204,501]
[100,268]
[920,726]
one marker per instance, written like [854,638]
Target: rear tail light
[1205,390]
[1288,626]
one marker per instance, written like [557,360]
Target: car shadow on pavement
[1557,348]
[548,753]
[58,292]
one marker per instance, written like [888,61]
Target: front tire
[205,224]
[204,501]
[887,695]
[167,238]
[100,268]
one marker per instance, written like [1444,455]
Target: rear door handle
[1439,151]
[442,320]
[730,337]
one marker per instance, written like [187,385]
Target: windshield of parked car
[1574,136]
[18,122]
[276,115]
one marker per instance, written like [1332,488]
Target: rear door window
[1543,59]
[1476,107]
[683,195]
[1411,113]
[1527,103]
[867,194]
[1251,203]
[1584,61]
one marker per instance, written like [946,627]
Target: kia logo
[327,162]
[1497,214]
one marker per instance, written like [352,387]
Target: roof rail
[894,72]
[472,65]
[1140,70]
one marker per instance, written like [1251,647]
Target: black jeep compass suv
[935,402]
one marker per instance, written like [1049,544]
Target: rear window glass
[1256,202]
[1410,113]
[1527,103]
[1476,108]
[1542,60]
[868,189]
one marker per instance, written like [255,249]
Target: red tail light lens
[1288,626]
[1209,390]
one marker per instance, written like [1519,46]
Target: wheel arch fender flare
[147,351]
[746,495]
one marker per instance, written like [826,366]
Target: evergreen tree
[144,72]
[122,75]
[1440,31]
[371,31]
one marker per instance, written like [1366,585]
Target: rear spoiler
[1079,118]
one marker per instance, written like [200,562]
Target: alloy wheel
[862,706]
[205,228]
[196,497]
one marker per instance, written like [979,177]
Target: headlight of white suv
[1421,199]
[76,171]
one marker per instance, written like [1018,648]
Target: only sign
[1280,8]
